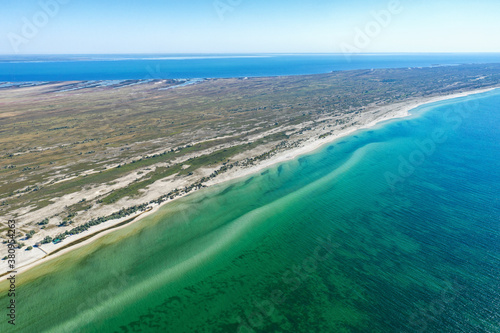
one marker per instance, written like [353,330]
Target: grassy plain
[60,145]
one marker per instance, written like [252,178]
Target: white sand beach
[26,260]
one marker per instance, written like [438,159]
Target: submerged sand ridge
[224,252]
[79,161]
[28,259]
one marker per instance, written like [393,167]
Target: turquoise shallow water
[393,229]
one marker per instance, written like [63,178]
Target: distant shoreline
[389,112]
[163,67]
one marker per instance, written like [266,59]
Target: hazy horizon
[240,27]
[242,54]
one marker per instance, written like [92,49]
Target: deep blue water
[123,67]
[395,228]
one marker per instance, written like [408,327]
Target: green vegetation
[44,221]
[54,144]
[47,240]
[122,213]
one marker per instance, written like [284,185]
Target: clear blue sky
[246,26]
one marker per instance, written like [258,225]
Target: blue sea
[187,66]
[395,228]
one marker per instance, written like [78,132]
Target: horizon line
[246,53]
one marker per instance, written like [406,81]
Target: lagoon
[21,68]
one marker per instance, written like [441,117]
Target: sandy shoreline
[398,110]
[37,256]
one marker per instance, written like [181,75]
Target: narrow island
[79,159]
